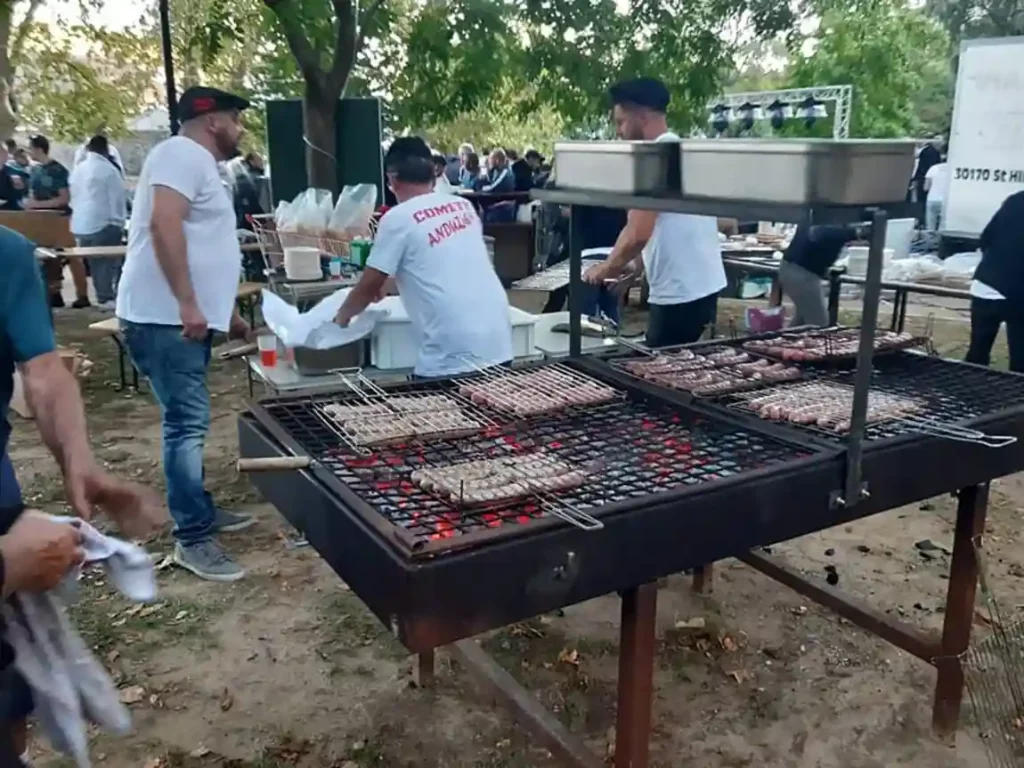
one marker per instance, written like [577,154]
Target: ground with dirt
[287,668]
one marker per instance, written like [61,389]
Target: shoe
[229,522]
[57,301]
[208,561]
[110,305]
[80,304]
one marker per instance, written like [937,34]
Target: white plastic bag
[316,328]
[961,266]
[351,216]
[312,211]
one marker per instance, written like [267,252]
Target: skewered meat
[828,406]
[401,418]
[493,480]
[530,393]
[825,345]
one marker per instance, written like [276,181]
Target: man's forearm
[627,247]
[171,251]
[358,299]
[56,401]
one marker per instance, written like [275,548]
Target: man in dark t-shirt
[35,552]
[810,255]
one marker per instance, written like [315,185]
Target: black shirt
[1002,251]
[816,248]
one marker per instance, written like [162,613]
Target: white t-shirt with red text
[433,245]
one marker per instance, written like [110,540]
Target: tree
[75,83]
[890,53]
[12,38]
[965,19]
[305,28]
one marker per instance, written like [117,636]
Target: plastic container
[267,344]
[394,346]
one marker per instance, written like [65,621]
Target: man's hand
[136,510]
[239,330]
[598,273]
[38,553]
[343,318]
[30,204]
[193,322]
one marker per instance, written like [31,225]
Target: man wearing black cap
[179,285]
[432,244]
[681,253]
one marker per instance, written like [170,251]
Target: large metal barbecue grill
[672,483]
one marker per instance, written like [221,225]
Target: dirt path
[287,668]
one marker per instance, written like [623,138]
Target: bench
[112,327]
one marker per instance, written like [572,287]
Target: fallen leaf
[113,656]
[226,701]
[697,622]
[800,610]
[981,619]
[739,675]
[569,656]
[149,610]
[155,762]
[199,752]
[134,610]
[133,694]
[729,644]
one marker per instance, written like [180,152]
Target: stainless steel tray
[814,171]
[630,167]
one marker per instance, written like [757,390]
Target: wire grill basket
[994,674]
[273,241]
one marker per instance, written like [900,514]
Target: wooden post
[636,676]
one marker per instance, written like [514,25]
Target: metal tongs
[960,434]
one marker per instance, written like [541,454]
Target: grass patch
[348,626]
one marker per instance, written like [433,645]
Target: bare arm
[170,208]
[362,295]
[60,202]
[53,394]
[631,240]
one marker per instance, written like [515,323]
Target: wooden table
[105,252]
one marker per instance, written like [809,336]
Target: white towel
[68,684]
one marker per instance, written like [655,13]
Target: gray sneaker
[229,522]
[208,561]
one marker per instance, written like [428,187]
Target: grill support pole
[575,283]
[854,491]
[703,579]
[425,669]
[956,627]
[636,676]
[564,745]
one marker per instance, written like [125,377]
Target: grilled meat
[495,480]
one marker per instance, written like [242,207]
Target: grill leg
[956,628]
[636,676]
[425,669]
[703,579]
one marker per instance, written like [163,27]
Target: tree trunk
[318,113]
[8,120]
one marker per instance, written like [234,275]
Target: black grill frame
[268,412]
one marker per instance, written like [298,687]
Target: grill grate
[632,448]
[952,393]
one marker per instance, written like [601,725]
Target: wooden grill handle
[274,464]
[235,352]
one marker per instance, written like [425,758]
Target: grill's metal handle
[636,347]
[572,515]
[236,352]
[274,464]
[961,434]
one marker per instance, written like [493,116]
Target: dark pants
[986,317]
[106,271]
[671,324]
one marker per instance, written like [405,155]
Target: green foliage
[890,52]
[967,19]
[72,84]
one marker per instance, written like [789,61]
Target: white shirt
[982,291]
[214,258]
[683,258]
[97,196]
[82,152]
[433,245]
[938,177]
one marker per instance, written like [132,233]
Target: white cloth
[433,245]
[982,291]
[98,199]
[69,686]
[683,258]
[83,151]
[315,328]
[214,258]
[938,176]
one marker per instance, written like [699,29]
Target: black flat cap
[408,146]
[646,92]
[200,100]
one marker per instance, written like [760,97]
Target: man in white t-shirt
[432,244]
[936,182]
[681,253]
[82,153]
[179,285]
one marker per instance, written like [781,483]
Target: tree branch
[23,29]
[344,45]
[305,56]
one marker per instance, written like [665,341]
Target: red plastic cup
[267,344]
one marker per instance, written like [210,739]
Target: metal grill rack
[640,447]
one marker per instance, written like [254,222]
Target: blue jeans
[176,368]
[10,491]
